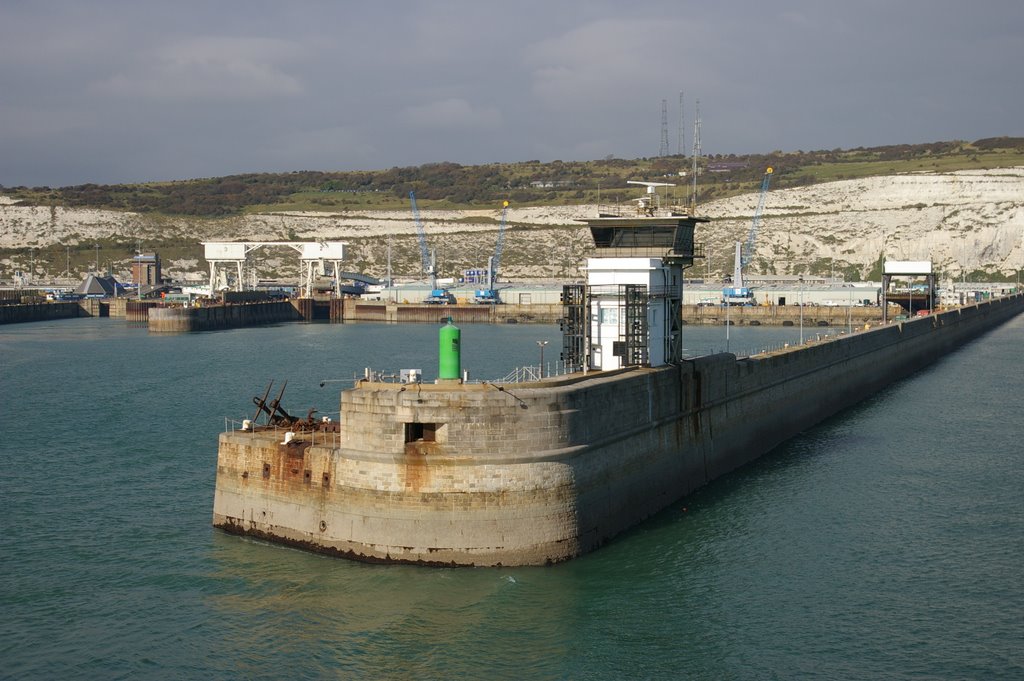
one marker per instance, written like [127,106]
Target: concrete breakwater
[232,315]
[129,309]
[837,316]
[786,315]
[366,311]
[356,310]
[132,309]
[38,312]
[537,473]
[212,317]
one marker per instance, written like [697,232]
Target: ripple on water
[885,543]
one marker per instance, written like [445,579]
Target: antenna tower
[663,151]
[680,143]
[696,155]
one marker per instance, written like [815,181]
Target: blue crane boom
[748,248]
[496,263]
[428,267]
[490,294]
[739,293]
[438,296]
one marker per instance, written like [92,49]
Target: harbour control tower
[629,311]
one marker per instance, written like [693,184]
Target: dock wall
[356,310]
[38,312]
[785,315]
[529,474]
[213,317]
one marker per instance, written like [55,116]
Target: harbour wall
[531,474]
[786,315]
[131,309]
[356,310]
[213,317]
[38,312]
[774,315]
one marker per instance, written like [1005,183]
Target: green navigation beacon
[449,363]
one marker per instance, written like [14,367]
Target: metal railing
[317,438]
[535,372]
[780,346]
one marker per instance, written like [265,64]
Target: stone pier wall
[212,317]
[529,474]
[356,310]
[786,315]
[38,312]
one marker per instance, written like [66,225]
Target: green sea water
[885,543]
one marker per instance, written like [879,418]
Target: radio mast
[696,155]
[680,142]
[663,151]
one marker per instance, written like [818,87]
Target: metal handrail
[316,437]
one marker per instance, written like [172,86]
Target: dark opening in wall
[425,432]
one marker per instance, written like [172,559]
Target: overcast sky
[113,92]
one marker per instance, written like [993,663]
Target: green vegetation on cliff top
[451,186]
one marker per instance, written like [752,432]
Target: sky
[110,92]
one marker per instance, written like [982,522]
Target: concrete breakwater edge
[234,315]
[212,317]
[175,319]
[39,312]
[536,473]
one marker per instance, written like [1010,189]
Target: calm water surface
[887,542]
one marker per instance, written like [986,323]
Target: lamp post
[138,270]
[541,344]
[849,311]
[727,324]
[801,309]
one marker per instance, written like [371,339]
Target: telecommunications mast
[663,150]
[696,155]
[680,142]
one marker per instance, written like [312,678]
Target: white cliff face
[24,226]
[964,220]
[969,220]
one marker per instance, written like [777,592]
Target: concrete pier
[538,473]
[357,310]
[785,315]
[212,317]
[37,312]
[340,310]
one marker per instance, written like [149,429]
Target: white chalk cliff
[968,220]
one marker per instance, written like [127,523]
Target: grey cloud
[208,68]
[112,91]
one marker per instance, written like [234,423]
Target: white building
[629,311]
